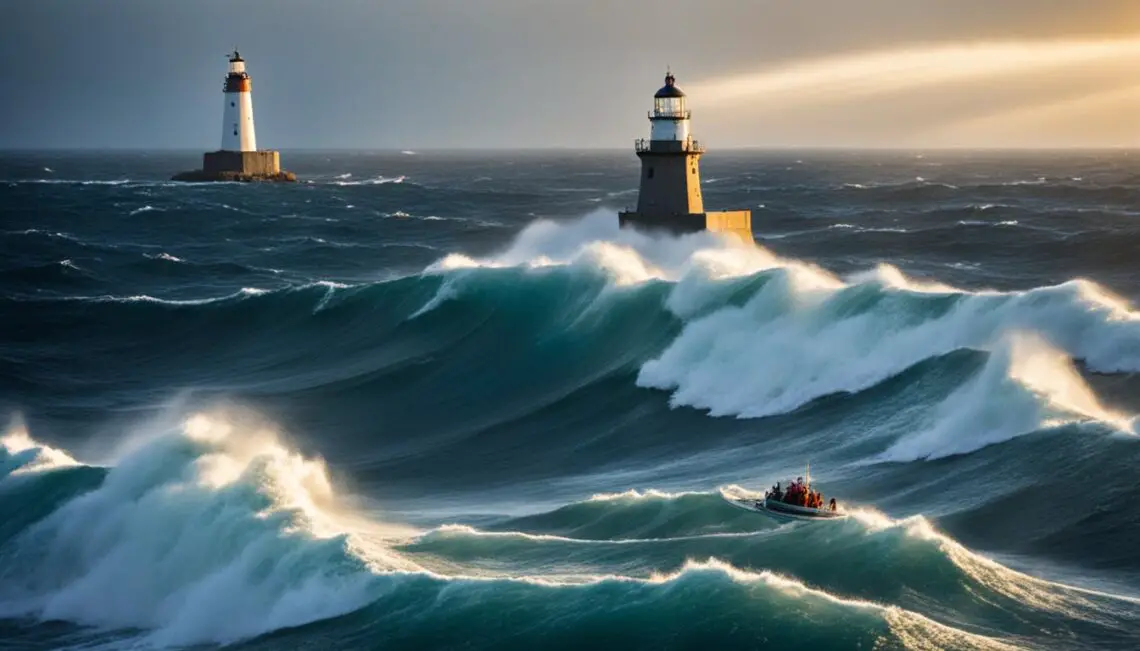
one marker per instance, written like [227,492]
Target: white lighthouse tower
[669,198]
[239,159]
[237,117]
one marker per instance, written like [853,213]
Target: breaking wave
[214,531]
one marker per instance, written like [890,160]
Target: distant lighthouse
[237,116]
[239,158]
[669,198]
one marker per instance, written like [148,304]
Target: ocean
[438,400]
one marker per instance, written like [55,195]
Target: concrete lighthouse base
[734,222]
[243,166]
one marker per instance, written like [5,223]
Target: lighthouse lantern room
[669,120]
[669,197]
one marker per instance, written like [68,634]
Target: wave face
[441,401]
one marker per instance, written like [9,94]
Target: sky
[502,74]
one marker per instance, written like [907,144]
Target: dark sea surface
[438,400]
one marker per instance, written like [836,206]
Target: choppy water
[433,400]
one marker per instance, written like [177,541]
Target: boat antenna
[809,475]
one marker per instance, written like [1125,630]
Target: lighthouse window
[669,106]
[231,104]
[649,173]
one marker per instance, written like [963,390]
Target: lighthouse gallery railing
[645,144]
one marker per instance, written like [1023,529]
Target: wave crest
[212,533]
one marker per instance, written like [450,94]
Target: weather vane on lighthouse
[669,198]
[239,158]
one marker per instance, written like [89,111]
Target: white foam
[1038,593]
[446,292]
[595,240]
[460,530]
[378,180]
[918,630]
[635,495]
[37,231]
[596,244]
[20,454]
[331,288]
[214,533]
[163,256]
[798,339]
[1026,385]
[73,182]
[244,292]
[804,333]
[891,277]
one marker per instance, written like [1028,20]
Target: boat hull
[782,511]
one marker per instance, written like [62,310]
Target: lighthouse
[669,198]
[239,159]
[237,115]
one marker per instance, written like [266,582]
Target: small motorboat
[780,510]
[783,511]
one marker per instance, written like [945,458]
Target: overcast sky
[573,73]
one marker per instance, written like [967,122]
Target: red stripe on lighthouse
[237,84]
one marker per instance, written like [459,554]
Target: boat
[783,511]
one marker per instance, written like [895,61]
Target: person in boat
[832,505]
[794,494]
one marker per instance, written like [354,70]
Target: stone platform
[243,166]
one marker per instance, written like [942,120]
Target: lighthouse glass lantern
[669,102]
[669,120]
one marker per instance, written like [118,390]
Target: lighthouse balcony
[647,146]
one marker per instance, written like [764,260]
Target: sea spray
[805,333]
[1025,385]
[793,342]
[20,454]
[765,335]
[209,534]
